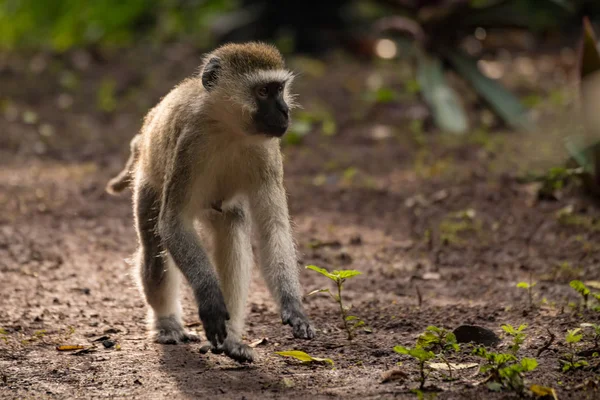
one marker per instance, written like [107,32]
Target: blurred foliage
[62,24]
[587,155]
[438,28]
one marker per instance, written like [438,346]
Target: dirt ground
[376,196]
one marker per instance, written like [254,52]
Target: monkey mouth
[276,130]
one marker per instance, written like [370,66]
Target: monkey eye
[263,91]
[280,88]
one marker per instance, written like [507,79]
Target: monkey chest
[221,186]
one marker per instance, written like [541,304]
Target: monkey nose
[283,108]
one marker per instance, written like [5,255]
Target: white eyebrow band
[264,76]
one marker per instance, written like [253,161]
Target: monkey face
[272,112]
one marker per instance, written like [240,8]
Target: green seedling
[583,291]
[570,361]
[517,335]
[422,356]
[505,370]
[351,322]
[304,357]
[3,335]
[441,340]
[529,287]
[594,333]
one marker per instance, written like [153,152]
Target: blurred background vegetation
[458,50]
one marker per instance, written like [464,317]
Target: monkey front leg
[278,257]
[182,242]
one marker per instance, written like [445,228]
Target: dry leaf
[444,366]
[432,276]
[302,356]
[69,347]
[542,391]
[593,284]
[259,342]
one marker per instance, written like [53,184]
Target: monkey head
[250,81]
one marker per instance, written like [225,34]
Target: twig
[548,343]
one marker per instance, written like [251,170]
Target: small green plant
[529,287]
[570,361]
[422,356]
[583,291]
[440,340]
[594,335]
[505,370]
[351,322]
[517,335]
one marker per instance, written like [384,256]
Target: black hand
[213,314]
[292,314]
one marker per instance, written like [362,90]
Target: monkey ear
[211,73]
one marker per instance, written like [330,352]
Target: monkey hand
[292,314]
[213,314]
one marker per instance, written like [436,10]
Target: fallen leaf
[542,391]
[302,356]
[287,382]
[69,347]
[432,276]
[593,284]
[444,366]
[259,342]
[393,375]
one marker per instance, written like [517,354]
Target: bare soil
[384,204]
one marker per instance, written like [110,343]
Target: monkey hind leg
[233,261]
[159,277]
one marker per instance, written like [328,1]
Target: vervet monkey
[209,152]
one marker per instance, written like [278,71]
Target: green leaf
[509,329]
[322,271]
[348,273]
[351,318]
[580,288]
[446,108]
[417,352]
[523,285]
[504,103]
[494,386]
[302,356]
[385,95]
[528,364]
[573,335]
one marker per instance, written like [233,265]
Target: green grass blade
[445,105]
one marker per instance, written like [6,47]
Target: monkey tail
[120,182]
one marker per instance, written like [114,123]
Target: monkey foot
[237,351]
[168,330]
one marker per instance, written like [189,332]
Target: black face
[272,117]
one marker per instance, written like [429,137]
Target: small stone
[393,375]
[476,334]
[356,240]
